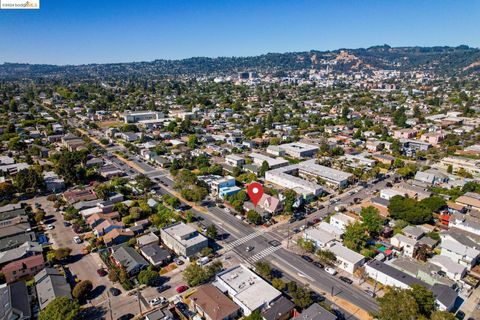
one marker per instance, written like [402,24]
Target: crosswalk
[233,244]
[262,254]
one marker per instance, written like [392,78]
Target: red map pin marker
[255,192]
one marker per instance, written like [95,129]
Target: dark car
[307,258]
[127,316]
[165,287]
[346,280]
[114,291]
[316,220]
[102,272]
[318,265]
[66,224]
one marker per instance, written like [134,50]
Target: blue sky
[100,31]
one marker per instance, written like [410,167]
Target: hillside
[441,60]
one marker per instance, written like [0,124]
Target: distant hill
[441,60]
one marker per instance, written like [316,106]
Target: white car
[77,240]
[331,271]
[157,300]
[50,227]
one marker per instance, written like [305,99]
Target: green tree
[397,304]
[372,221]
[264,168]
[424,298]
[62,253]
[327,256]
[254,217]
[411,210]
[149,277]
[355,236]
[28,179]
[7,190]
[194,275]
[290,198]
[61,308]
[264,269]
[192,141]
[278,284]
[39,216]
[212,231]
[307,245]
[442,315]
[82,289]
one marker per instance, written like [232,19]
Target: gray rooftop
[50,284]
[316,312]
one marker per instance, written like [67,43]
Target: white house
[453,270]
[341,221]
[460,253]
[406,244]
[347,259]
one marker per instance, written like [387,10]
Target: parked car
[307,258]
[50,227]
[114,291]
[77,240]
[102,272]
[157,301]
[181,289]
[316,220]
[66,224]
[331,271]
[346,280]
[318,264]
[163,288]
[370,293]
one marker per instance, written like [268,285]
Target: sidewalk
[344,304]
[469,307]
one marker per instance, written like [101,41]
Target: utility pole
[139,303]
[109,306]
[288,237]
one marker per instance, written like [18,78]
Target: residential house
[146,239]
[280,309]
[50,284]
[316,312]
[129,259]
[347,259]
[211,304]
[156,255]
[118,236]
[452,270]
[404,244]
[15,302]
[341,220]
[18,269]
